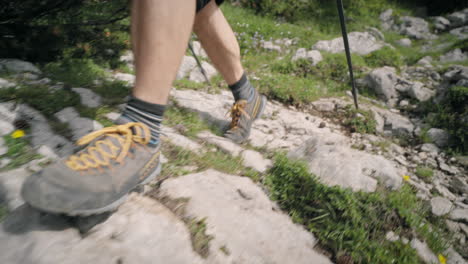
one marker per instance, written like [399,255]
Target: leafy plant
[385,56]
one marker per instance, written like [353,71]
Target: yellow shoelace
[96,156]
[237,111]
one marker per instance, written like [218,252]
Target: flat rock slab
[242,220]
[279,127]
[336,163]
[361,43]
[10,186]
[141,231]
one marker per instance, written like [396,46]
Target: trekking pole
[339,4]
[198,63]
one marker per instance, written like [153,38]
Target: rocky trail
[209,216]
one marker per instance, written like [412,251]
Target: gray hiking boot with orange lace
[98,178]
[243,114]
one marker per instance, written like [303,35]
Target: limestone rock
[439,136]
[461,32]
[391,236]
[40,132]
[269,45]
[459,18]
[398,125]
[5,127]
[405,42]
[187,65]
[454,257]
[314,56]
[440,206]
[10,186]
[255,160]
[361,43]
[18,66]
[324,105]
[79,126]
[414,27]
[6,84]
[424,252]
[224,144]
[88,97]
[387,19]
[198,49]
[337,164]
[179,140]
[241,220]
[141,231]
[420,93]
[441,23]
[459,215]
[125,77]
[197,76]
[430,148]
[454,56]
[382,81]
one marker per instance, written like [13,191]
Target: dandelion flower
[18,133]
[406,177]
[442,259]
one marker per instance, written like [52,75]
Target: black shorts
[202,3]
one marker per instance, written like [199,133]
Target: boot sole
[114,205]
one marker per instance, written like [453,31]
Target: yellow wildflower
[406,177]
[442,259]
[18,133]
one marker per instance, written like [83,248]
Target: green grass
[200,240]
[188,123]
[75,72]
[352,225]
[424,173]
[19,151]
[3,212]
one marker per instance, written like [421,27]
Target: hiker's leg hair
[219,42]
[160,33]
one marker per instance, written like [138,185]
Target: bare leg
[160,34]
[219,41]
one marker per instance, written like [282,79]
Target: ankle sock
[146,113]
[243,89]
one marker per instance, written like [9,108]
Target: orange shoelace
[103,151]
[237,111]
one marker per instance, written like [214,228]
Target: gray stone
[40,132]
[459,18]
[361,43]
[187,65]
[269,45]
[414,27]
[387,19]
[197,76]
[405,42]
[398,125]
[454,56]
[6,84]
[439,136]
[459,215]
[124,77]
[222,143]
[461,32]
[79,126]
[198,49]
[424,252]
[241,219]
[47,152]
[300,54]
[314,56]
[391,236]
[127,57]
[420,93]
[453,257]
[18,66]
[441,206]
[88,97]
[112,116]
[177,139]
[127,236]
[441,23]
[324,105]
[255,160]
[10,186]
[335,163]
[382,81]
[426,61]
[430,148]
[3,148]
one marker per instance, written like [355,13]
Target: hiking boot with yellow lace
[98,178]
[243,114]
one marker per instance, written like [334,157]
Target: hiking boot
[243,114]
[98,178]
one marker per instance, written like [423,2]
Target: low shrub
[385,56]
